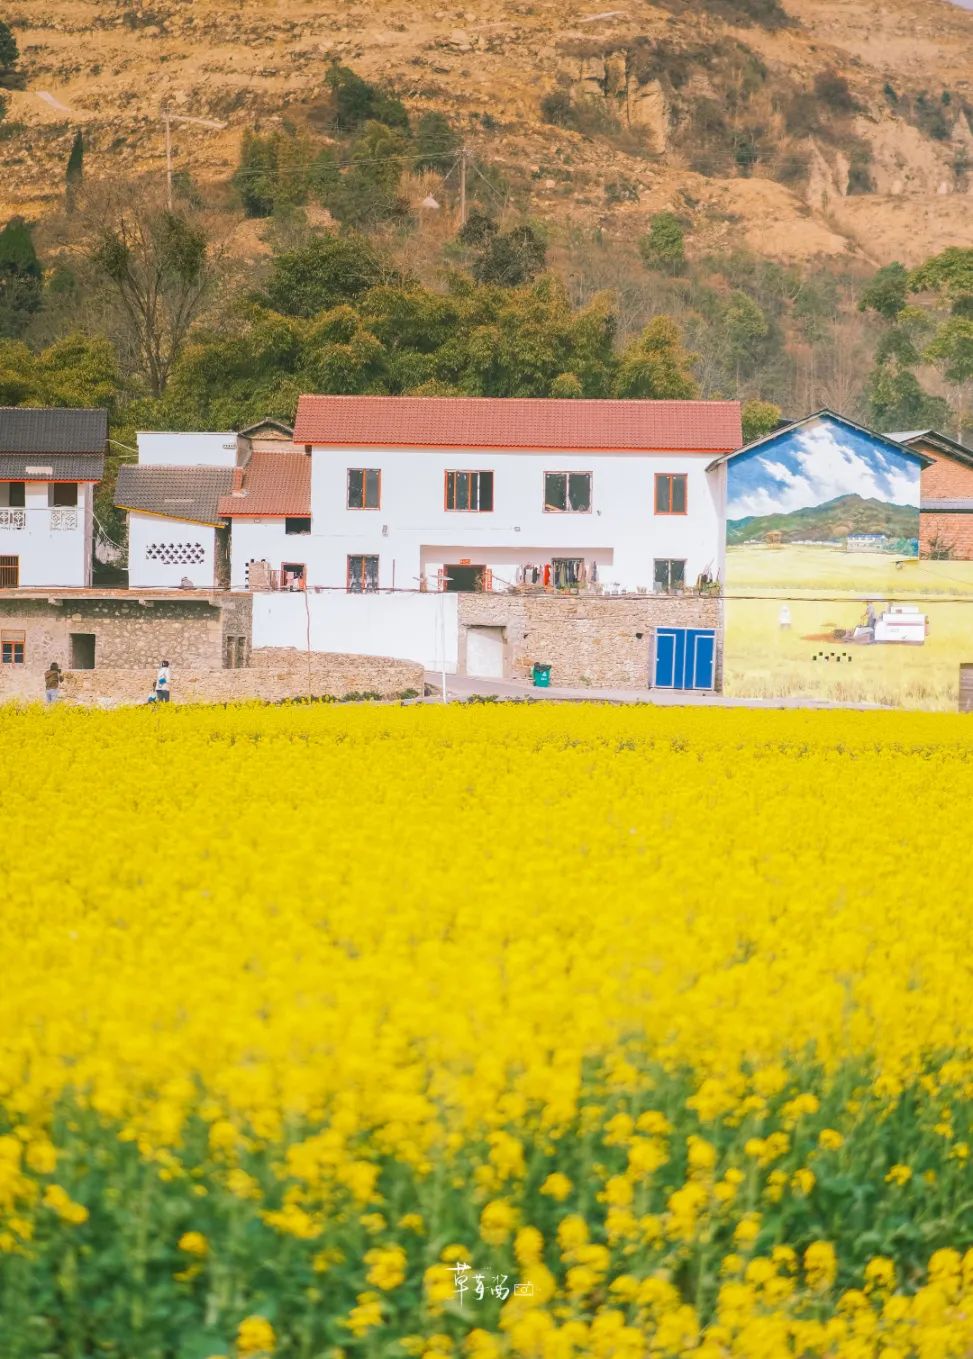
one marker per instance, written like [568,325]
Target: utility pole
[462,187]
[168,118]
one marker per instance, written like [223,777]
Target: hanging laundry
[547,575]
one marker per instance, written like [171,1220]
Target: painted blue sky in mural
[815,463]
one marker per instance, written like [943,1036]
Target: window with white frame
[567,492]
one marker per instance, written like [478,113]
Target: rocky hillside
[799,128]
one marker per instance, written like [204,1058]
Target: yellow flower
[365,1316]
[255,1336]
[59,1201]
[879,1274]
[386,1267]
[899,1175]
[194,1243]
[41,1156]
[497,1221]
[528,1246]
[830,1140]
[557,1186]
[820,1265]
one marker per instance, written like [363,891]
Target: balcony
[13,519]
[64,520]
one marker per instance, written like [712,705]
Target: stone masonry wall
[127,633]
[279,674]
[604,641]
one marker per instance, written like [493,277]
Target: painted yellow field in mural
[825,592]
[803,568]
[543,1032]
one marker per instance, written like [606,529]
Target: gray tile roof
[24,429]
[191,493]
[51,467]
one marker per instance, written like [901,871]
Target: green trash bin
[541,676]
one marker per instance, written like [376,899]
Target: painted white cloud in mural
[811,466]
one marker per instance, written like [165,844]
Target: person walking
[163,682]
[52,683]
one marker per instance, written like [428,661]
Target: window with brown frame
[364,488]
[13,495]
[670,493]
[63,494]
[567,492]
[469,491]
[362,575]
[12,647]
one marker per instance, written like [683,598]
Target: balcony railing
[13,519]
[64,519]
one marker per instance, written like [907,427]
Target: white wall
[165,449]
[153,572]
[413,531]
[407,627]
[50,556]
[263,540]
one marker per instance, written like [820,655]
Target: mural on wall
[826,595]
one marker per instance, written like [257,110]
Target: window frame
[469,472]
[364,488]
[297,519]
[669,588]
[364,588]
[671,478]
[561,472]
[15,639]
[21,503]
[54,489]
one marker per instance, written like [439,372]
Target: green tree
[657,365]
[329,270]
[9,52]
[664,246]
[887,292]
[952,352]
[510,258]
[759,418]
[74,172]
[255,177]
[746,332]
[896,400]
[355,101]
[157,267]
[367,193]
[435,142]
[21,288]
[950,276]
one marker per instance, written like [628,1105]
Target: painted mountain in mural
[816,463]
[831,522]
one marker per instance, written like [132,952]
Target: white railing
[13,519]
[64,519]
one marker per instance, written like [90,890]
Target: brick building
[946,494]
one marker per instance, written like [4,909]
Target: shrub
[663,247]
[355,101]
[834,91]
[9,52]
[621,191]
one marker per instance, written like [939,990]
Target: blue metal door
[704,656]
[666,640]
[685,658]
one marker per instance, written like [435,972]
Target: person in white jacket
[163,682]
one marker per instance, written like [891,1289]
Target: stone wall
[604,641]
[277,674]
[129,629]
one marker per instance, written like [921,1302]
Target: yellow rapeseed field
[531,1031]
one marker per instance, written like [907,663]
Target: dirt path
[53,103]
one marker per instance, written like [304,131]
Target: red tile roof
[272,485]
[517,422]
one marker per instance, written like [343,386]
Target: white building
[174,496]
[462,493]
[50,462]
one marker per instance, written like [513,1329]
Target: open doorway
[468,579]
[82,650]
